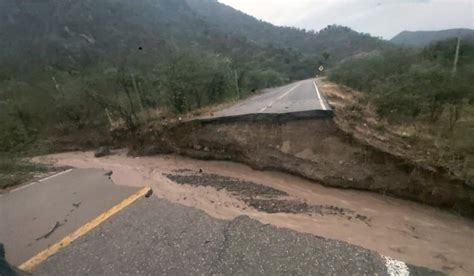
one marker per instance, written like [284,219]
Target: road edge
[30,264]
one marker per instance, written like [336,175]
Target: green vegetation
[417,87]
[14,171]
[425,38]
[72,70]
[407,84]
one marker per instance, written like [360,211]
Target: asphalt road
[64,202]
[301,96]
[156,237]
[153,236]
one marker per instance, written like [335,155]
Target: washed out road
[37,215]
[154,236]
[297,97]
[157,237]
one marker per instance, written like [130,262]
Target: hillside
[415,92]
[337,41]
[71,36]
[64,62]
[424,38]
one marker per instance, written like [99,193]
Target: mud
[404,230]
[261,197]
[315,149]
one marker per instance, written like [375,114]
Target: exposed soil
[357,118]
[316,149]
[404,230]
[421,143]
[347,151]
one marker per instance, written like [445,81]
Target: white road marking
[396,268]
[319,97]
[41,180]
[279,98]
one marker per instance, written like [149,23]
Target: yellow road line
[53,249]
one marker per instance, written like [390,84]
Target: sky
[382,18]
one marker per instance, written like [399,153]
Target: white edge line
[281,97]
[319,96]
[395,267]
[41,180]
[54,175]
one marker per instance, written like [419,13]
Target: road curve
[301,96]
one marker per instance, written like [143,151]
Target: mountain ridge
[72,35]
[425,38]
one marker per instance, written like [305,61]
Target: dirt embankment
[316,149]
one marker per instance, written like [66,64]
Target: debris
[102,151]
[109,174]
[45,236]
[232,185]
[149,193]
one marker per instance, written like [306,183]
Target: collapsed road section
[40,218]
[275,131]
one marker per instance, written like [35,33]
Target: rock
[102,151]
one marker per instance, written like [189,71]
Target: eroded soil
[261,197]
[405,230]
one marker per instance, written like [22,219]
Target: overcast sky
[384,18]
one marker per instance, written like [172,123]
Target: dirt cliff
[316,149]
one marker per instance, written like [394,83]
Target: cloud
[383,18]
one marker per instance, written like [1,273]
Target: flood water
[408,231]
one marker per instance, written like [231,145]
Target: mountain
[337,41]
[63,62]
[424,38]
[73,35]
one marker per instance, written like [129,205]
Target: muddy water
[401,229]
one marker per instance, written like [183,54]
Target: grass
[15,171]
[427,143]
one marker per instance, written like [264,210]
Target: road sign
[321,68]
